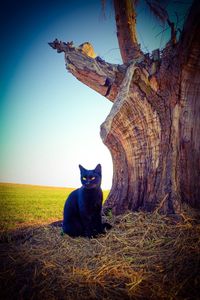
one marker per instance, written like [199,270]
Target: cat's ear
[81,168]
[98,169]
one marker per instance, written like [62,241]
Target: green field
[29,205]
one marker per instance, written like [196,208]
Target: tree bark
[153,128]
[125,17]
[188,165]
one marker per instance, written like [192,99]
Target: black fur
[82,210]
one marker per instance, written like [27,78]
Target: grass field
[29,205]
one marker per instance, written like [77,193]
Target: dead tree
[153,128]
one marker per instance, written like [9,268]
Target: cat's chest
[90,200]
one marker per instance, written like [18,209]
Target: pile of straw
[144,256]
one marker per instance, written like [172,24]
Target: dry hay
[144,256]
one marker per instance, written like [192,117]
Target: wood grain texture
[125,18]
[153,128]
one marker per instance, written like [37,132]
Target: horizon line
[39,185]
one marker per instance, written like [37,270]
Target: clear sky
[49,121]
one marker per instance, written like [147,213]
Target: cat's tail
[106,226]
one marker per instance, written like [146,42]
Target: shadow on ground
[144,256]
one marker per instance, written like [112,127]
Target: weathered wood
[132,133]
[99,75]
[188,111]
[153,128]
[125,17]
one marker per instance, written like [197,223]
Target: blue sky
[49,121]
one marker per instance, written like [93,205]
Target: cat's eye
[84,178]
[92,178]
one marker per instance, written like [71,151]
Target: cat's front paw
[88,234]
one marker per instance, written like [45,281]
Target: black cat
[82,210]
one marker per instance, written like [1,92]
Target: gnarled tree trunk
[153,128]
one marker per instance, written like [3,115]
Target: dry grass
[144,256]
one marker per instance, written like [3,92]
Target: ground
[144,256]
